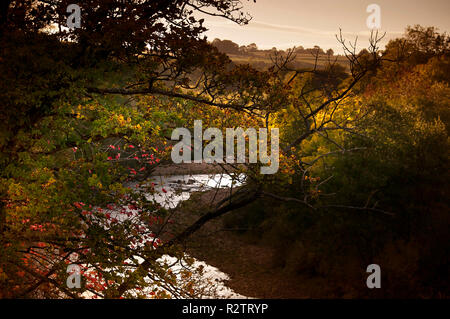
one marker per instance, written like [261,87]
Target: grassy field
[262,60]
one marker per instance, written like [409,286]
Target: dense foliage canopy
[86,115]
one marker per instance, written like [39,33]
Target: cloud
[287,28]
[264,26]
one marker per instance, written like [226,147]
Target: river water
[210,282]
[178,188]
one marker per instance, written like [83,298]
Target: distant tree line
[230,47]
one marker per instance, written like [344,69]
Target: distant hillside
[261,59]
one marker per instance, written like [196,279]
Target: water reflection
[171,190]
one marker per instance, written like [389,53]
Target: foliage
[86,114]
[386,202]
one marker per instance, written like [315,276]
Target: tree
[75,131]
[300,49]
[418,45]
[66,150]
[372,184]
[226,46]
[252,47]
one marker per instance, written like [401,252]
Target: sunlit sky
[288,23]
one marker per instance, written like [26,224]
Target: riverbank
[252,268]
[193,169]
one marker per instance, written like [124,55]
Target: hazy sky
[288,23]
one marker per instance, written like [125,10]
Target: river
[170,190]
